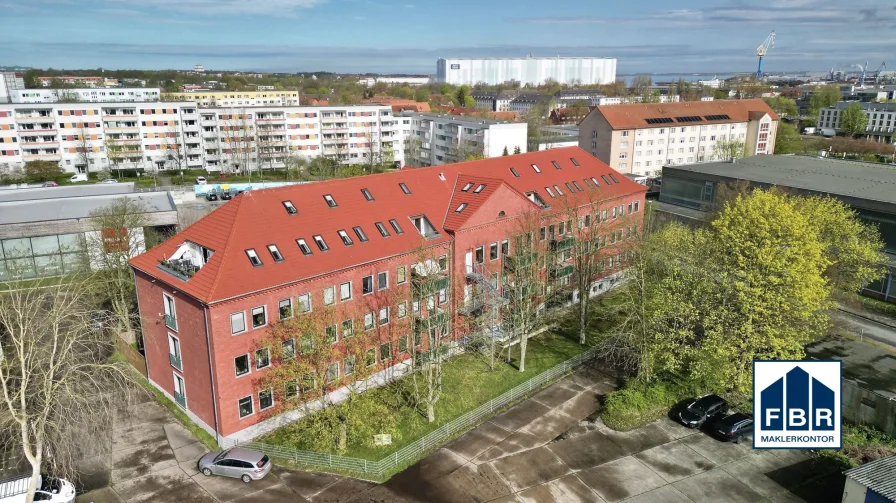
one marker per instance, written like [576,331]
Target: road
[864,327]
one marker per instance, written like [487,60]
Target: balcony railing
[558,245]
[180,399]
[171,321]
[523,260]
[562,272]
[175,361]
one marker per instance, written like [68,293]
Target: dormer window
[423,226]
[461,207]
[556,165]
[346,240]
[578,186]
[395,226]
[360,233]
[557,188]
[479,189]
[534,167]
[514,172]
[404,188]
[330,201]
[306,250]
[382,228]
[321,244]
[275,253]
[550,192]
[290,208]
[467,187]
[574,161]
[253,257]
[367,194]
[596,184]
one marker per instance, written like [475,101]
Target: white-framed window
[259,316]
[366,285]
[174,355]
[623,165]
[625,134]
[384,316]
[382,280]
[623,155]
[402,309]
[369,321]
[329,295]
[241,365]
[265,399]
[623,144]
[304,305]
[348,328]
[237,323]
[288,348]
[401,275]
[333,372]
[345,291]
[262,358]
[180,389]
[285,308]
[246,407]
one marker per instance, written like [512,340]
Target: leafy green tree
[853,120]
[782,105]
[823,97]
[469,102]
[41,171]
[30,78]
[787,139]
[462,95]
[421,94]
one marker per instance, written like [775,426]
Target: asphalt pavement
[863,327]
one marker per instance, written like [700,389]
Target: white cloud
[216,7]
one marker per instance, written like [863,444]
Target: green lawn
[467,383]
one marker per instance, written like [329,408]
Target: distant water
[687,77]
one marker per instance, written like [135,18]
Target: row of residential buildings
[524,102]
[374,260]
[84,137]
[526,71]
[881,120]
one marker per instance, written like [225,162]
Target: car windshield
[699,407]
[222,455]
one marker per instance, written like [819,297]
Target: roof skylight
[467,187]
[275,253]
[360,233]
[479,188]
[513,171]
[536,168]
[382,228]
[556,165]
[306,250]
[253,257]
[461,207]
[330,201]
[404,188]
[346,240]
[395,226]
[574,161]
[321,244]
[290,208]
[367,194]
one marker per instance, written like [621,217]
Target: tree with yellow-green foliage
[753,284]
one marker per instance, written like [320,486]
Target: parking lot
[550,448]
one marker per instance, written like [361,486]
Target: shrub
[638,404]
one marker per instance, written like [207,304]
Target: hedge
[638,404]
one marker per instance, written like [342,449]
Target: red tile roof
[634,116]
[258,218]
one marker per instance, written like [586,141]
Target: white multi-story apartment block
[177,135]
[642,138]
[73,81]
[91,95]
[9,83]
[625,100]
[435,139]
[881,120]
[411,81]
[533,71]
[211,99]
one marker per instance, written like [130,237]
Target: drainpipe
[145,352]
[211,375]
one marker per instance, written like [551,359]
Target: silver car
[238,463]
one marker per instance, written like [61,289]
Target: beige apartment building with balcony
[642,138]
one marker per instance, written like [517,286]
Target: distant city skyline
[408,36]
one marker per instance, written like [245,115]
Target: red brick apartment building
[208,295]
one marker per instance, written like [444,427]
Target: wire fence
[416,450]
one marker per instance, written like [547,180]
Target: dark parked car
[734,427]
[243,464]
[703,410]
[211,195]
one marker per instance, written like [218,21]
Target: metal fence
[435,439]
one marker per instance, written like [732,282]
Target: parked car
[51,183]
[734,427]
[200,180]
[244,464]
[49,490]
[703,410]
[211,195]
[109,180]
[79,177]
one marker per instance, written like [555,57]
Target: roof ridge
[238,199]
[451,200]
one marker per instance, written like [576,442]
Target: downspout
[145,352]
[211,375]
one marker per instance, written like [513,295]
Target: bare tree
[117,237]
[59,388]
[115,151]
[83,146]
[412,148]
[241,141]
[431,326]
[525,281]
[175,152]
[727,149]
[372,156]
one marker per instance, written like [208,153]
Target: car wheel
[246,478]
[207,472]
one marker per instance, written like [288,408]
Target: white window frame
[255,354]
[183,387]
[251,406]
[248,366]
[271,392]
[342,297]
[300,303]
[332,290]
[264,310]
[177,352]
[379,316]
[245,325]
[378,276]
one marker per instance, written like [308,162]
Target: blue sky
[409,35]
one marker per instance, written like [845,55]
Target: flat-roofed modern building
[442,139]
[237,98]
[91,95]
[870,189]
[45,231]
[526,71]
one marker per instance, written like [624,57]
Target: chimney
[442,176]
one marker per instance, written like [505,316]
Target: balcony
[439,319]
[122,129]
[559,245]
[24,143]
[170,321]
[126,115]
[175,361]
[268,120]
[42,157]
[429,285]
[35,118]
[180,399]
[271,131]
[37,130]
[562,272]
[209,122]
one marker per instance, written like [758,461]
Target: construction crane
[864,72]
[762,50]
[882,67]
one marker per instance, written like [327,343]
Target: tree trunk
[583,308]
[35,458]
[524,339]
[343,435]
[430,412]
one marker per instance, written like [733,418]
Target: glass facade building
[42,256]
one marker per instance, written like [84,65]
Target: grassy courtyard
[467,383]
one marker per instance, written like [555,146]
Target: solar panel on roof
[689,118]
[659,120]
[719,117]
